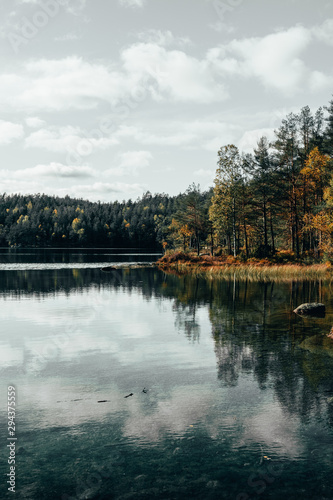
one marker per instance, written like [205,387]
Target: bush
[284,256]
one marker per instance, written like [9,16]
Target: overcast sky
[106,99]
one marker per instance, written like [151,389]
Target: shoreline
[253,269]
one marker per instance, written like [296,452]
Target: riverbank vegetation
[228,267]
[275,203]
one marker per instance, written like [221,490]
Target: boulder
[311,309]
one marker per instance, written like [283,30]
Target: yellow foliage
[75,224]
[23,219]
[315,168]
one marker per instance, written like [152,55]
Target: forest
[279,198]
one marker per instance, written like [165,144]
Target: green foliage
[42,220]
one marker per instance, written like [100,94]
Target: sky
[107,99]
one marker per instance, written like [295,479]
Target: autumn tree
[226,201]
[191,215]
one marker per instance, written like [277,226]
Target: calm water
[238,391]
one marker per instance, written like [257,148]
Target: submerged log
[311,309]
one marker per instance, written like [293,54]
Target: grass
[181,263]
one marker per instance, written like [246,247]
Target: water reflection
[237,385]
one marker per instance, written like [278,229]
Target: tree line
[279,197]
[41,220]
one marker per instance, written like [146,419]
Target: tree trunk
[246,242]
[211,242]
[234,225]
[265,227]
[272,235]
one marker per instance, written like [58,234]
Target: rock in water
[108,269]
[311,309]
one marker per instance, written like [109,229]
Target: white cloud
[10,131]
[250,138]
[163,38]
[157,137]
[273,59]
[318,81]
[130,162]
[132,3]
[97,191]
[55,170]
[178,76]
[206,134]
[61,85]
[324,32]
[68,138]
[34,122]
[105,188]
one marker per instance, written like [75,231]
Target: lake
[137,384]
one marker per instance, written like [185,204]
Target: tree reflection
[254,330]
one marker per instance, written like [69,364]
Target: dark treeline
[42,220]
[278,198]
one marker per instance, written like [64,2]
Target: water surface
[232,392]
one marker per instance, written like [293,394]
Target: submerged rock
[311,309]
[108,269]
[318,344]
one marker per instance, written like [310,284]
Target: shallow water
[238,390]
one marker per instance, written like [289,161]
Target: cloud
[130,162]
[324,32]
[105,188]
[61,85]
[132,3]
[14,182]
[178,76]
[68,138]
[54,170]
[250,138]
[34,122]
[10,131]
[205,134]
[273,59]
[163,38]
